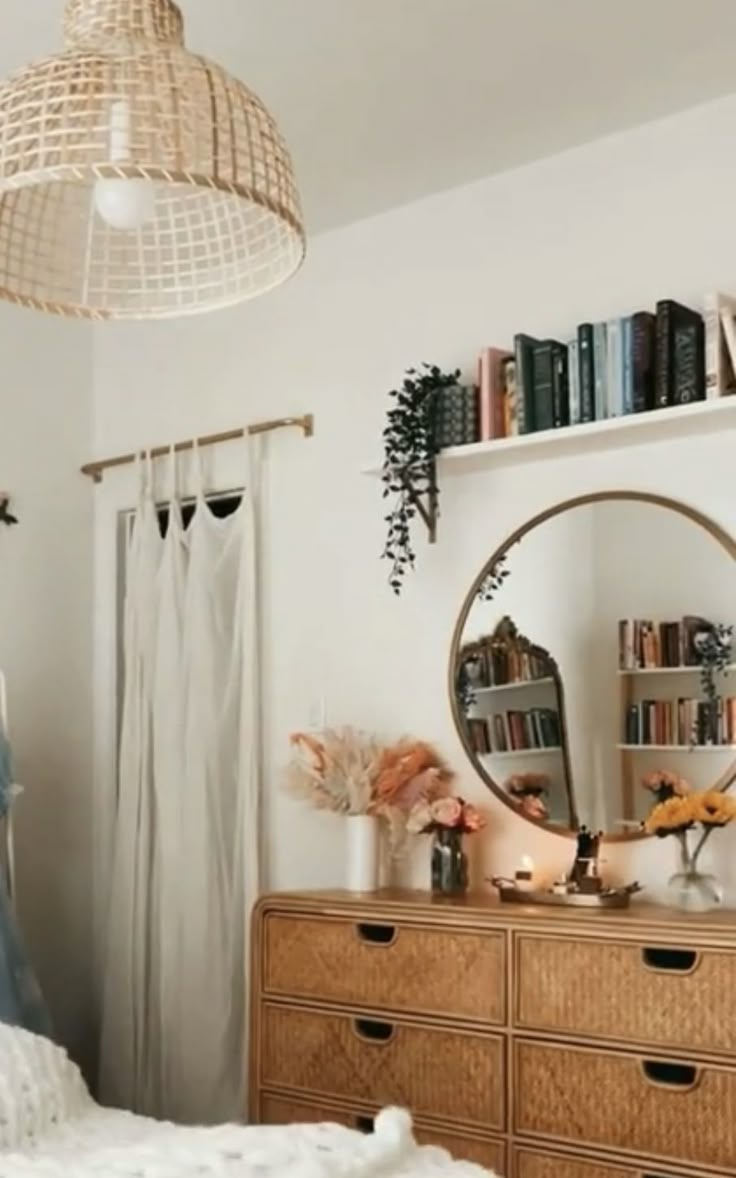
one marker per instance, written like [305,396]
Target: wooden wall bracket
[426,503]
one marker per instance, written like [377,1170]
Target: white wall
[596,232]
[45,644]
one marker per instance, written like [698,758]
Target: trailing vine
[410,460]
[494,579]
[487,590]
[464,687]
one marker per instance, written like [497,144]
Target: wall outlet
[317,715]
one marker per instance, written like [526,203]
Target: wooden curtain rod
[96,470]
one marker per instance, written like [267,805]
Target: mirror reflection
[594,650]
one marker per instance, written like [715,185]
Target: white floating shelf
[671,671]
[677,421]
[497,687]
[552,751]
[678,748]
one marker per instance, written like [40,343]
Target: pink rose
[447,812]
[472,819]
[533,807]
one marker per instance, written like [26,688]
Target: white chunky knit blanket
[51,1128]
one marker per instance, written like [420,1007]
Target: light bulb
[124,204]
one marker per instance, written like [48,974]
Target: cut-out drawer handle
[365,1125]
[377,934]
[670,960]
[651,1174]
[679,1076]
[373,1031]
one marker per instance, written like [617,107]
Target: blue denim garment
[21,1001]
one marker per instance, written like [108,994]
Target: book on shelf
[560,386]
[573,382]
[600,371]
[586,372]
[647,645]
[680,355]
[521,731]
[545,388]
[492,393]
[542,413]
[720,359]
[500,664]
[683,722]
[479,736]
[524,346]
[728,310]
[511,398]
[643,336]
[615,368]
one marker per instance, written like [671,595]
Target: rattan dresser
[542,1043]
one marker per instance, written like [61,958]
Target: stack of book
[632,364]
[647,645]
[537,728]
[684,722]
[498,664]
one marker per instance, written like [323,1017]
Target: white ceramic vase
[362,850]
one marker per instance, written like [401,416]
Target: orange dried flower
[409,772]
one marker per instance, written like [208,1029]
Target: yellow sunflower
[672,816]
[714,808]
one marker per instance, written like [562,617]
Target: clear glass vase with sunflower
[691,818]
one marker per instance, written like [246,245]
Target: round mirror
[594,653]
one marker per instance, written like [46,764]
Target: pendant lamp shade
[137,180]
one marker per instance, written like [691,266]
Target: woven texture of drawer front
[603,1099]
[537,1165]
[433,1072]
[607,990]
[455,974]
[490,1154]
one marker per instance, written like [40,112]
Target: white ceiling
[384,101]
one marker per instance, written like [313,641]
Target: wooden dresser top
[483,910]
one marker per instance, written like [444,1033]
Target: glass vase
[690,889]
[449,863]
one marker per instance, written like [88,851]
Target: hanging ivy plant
[714,652]
[410,460]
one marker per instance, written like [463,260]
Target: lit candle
[524,877]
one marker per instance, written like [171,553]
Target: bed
[50,1127]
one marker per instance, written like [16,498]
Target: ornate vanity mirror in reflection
[594,649]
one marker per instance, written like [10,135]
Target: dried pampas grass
[335,771]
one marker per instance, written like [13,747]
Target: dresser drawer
[655,1108]
[530,1164]
[436,1073]
[276,1110]
[386,967]
[652,995]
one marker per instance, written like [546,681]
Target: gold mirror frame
[727,542]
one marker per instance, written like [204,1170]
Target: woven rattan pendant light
[137,180]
